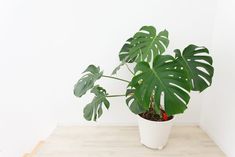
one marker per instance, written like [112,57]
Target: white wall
[218,118]
[46,44]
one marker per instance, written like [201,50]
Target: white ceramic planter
[154,134]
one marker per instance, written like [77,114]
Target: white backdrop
[218,118]
[46,44]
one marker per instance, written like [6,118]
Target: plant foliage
[92,74]
[198,65]
[94,110]
[134,101]
[165,80]
[161,83]
[146,44]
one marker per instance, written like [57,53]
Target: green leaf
[118,68]
[92,74]
[145,45]
[198,65]
[124,52]
[94,110]
[166,82]
[134,101]
[124,56]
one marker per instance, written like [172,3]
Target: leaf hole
[203,70]
[192,83]
[182,100]
[173,84]
[207,82]
[201,53]
[201,61]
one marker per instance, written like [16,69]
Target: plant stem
[129,69]
[115,95]
[116,78]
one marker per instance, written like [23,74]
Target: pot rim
[157,121]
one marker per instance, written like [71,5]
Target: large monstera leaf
[92,73]
[145,45]
[165,80]
[94,110]
[198,65]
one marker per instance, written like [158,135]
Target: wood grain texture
[26,155]
[116,141]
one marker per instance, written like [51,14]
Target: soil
[151,115]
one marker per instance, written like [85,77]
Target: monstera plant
[160,86]
[161,83]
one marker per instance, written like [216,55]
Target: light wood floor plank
[116,141]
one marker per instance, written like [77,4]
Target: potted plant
[160,86]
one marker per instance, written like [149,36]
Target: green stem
[116,95]
[116,78]
[129,69]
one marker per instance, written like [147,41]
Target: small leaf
[117,68]
[92,74]
[94,110]
[92,69]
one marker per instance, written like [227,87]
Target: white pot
[154,134]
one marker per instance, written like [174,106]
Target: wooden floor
[106,141]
